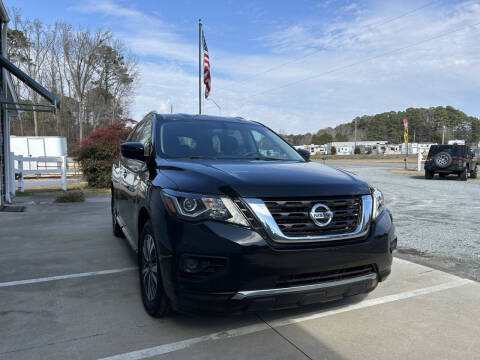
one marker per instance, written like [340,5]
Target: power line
[368,26]
[365,60]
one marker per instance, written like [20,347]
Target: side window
[133,134]
[143,134]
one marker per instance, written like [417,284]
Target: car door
[136,174]
[121,189]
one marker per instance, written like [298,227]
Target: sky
[295,65]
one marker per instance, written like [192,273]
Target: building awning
[32,84]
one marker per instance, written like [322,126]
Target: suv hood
[261,178]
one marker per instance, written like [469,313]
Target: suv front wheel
[154,298]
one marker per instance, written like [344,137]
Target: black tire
[463,175]
[443,159]
[473,173]
[428,174]
[117,229]
[154,299]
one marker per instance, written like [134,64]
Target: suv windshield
[454,150]
[222,140]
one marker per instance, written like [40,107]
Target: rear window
[454,150]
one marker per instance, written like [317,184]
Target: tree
[341,137]
[93,74]
[97,152]
[321,139]
[30,42]
[81,53]
[357,150]
[333,150]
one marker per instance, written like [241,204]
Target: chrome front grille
[288,220]
[293,215]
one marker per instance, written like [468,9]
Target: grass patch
[71,196]
[53,190]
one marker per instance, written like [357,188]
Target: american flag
[206,68]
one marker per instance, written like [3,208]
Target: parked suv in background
[226,216]
[451,159]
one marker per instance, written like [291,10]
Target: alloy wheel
[149,267]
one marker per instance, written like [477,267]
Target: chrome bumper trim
[304,288]
[262,213]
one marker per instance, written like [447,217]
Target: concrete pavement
[418,313]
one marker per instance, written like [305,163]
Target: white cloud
[444,71]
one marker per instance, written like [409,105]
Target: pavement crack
[283,336]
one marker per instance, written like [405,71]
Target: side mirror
[305,154]
[133,150]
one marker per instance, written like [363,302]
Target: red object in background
[206,68]
[405,123]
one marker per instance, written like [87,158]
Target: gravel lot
[438,221]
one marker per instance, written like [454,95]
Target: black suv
[451,159]
[226,217]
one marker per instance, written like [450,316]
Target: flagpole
[199,66]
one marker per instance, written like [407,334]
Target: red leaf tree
[97,152]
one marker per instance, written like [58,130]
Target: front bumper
[252,267]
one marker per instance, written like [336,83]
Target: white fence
[19,171]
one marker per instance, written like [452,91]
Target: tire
[443,160]
[428,174]
[473,173]
[154,299]
[117,229]
[463,175]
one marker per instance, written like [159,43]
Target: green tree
[357,150]
[321,139]
[333,150]
[341,137]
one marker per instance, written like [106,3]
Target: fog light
[191,265]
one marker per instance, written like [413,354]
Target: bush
[357,150]
[70,196]
[333,150]
[97,152]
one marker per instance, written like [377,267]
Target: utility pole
[200,66]
[443,135]
[355,135]
[171,108]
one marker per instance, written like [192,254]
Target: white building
[415,148]
[314,149]
[348,147]
[385,149]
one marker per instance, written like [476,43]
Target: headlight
[203,207]
[378,202]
